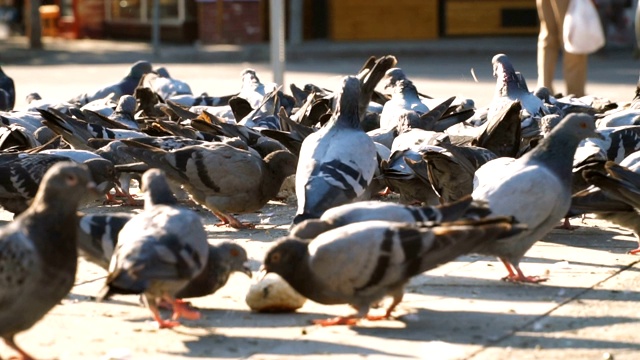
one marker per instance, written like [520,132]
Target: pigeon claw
[524,279]
[377,317]
[167,324]
[340,320]
[184,310]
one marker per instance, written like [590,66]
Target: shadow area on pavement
[489,328]
[221,346]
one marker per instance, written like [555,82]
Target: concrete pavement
[462,310]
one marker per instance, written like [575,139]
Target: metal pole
[295,21]
[276,17]
[155,28]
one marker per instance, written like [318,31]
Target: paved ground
[460,311]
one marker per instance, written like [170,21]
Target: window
[140,11]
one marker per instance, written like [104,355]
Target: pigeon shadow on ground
[225,318]
[489,328]
[221,346]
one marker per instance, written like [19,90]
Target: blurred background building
[247,21]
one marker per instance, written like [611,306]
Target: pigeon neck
[346,115]
[507,79]
[557,151]
[280,164]
[159,197]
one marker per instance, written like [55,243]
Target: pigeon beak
[246,270]
[262,273]
[92,188]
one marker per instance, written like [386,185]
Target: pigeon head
[156,189]
[408,120]
[33,96]
[392,76]
[103,173]
[162,72]
[63,185]
[237,257]
[127,104]
[503,69]
[285,256]
[249,76]
[577,125]
[140,68]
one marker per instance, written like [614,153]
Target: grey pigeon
[158,252]
[20,175]
[360,263]
[126,86]
[404,96]
[98,236]
[38,256]
[221,177]
[535,189]
[123,117]
[615,197]
[337,162]
[9,89]
[252,89]
[164,85]
[510,87]
[388,211]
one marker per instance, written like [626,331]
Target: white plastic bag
[582,31]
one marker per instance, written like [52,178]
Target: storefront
[132,19]
[246,21]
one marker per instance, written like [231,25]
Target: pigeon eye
[275,257]
[71,180]
[235,253]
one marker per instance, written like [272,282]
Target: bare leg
[12,344]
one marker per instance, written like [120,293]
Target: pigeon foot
[182,309]
[340,320]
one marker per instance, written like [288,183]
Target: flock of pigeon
[490,180]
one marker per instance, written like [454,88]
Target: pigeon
[404,97]
[8,87]
[123,117]
[336,163]
[126,86]
[158,252]
[388,211]
[253,90]
[615,197]
[38,252]
[98,237]
[510,86]
[164,85]
[360,263]
[20,175]
[221,177]
[535,189]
